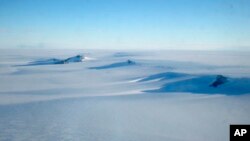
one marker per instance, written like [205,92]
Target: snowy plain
[161,95]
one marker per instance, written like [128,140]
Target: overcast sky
[125,24]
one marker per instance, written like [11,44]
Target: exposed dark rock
[77,58]
[130,62]
[220,79]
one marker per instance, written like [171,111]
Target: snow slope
[161,95]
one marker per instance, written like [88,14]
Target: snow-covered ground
[122,95]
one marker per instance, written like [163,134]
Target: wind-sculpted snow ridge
[54,61]
[201,84]
[164,76]
[115,65]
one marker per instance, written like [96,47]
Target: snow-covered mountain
[53,61]
[73,59]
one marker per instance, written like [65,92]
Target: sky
[126,24]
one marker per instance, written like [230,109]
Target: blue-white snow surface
[48,95]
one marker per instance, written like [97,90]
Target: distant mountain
[53,61]
[115,65]
[73,59]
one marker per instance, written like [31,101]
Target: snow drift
[201,84]
[115,65]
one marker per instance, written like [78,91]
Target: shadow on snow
[54,61]
[115,65]
[204,84]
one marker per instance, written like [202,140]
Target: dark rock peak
[220,79]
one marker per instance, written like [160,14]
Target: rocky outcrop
[220,79]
